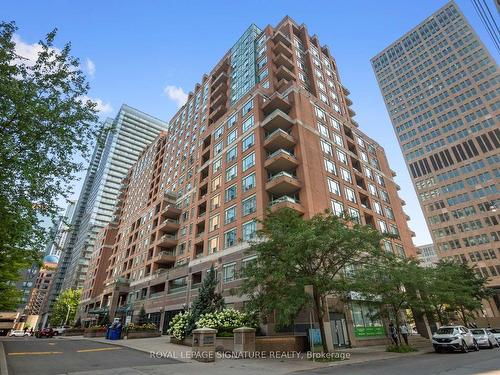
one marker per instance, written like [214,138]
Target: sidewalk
[229,366]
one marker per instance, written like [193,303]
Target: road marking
[96,350]
[51,343]
[34,353]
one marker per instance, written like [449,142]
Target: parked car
[484,338]
[454,338]
[18,333]
[60,330]
[45,332]
[495,332]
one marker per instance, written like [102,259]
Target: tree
[294,254]
[65,307]
[392,284]
[142,318]
[45,121]
[454,289]
[207,301]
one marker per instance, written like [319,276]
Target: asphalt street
[31,356]
[483,362]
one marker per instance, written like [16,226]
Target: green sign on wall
[369,331]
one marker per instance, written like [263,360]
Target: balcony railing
[277,152]
[282,174]
[284,198]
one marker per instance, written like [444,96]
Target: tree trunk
[398,325]
[439,315]
[464,317]
[319,315]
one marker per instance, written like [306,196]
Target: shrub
[97,328]
[226,320]
[179,324]
[401,349]
[141,327]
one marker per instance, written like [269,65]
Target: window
[323,130]
[247,124]
[248,142]
[330,167]
[214,222]
[230,215]
[231,173]
[230,238]
[350,194]
[218,148]
[232,120]
[248,162]
[379,179]
[218,132]
[320,113]
[342,157]
[337,208]
[335,123]
[249,230]
[231,154]
[216,183]
[346,175]
[368,173]
[248,182]
[338,140]
[326,147]
[364,156]
[231,137]
[394,229]
[383,226]
[378,208]
[230,193]
[372,189]
[217,166]
[247,107]
[354,214]
[215,202]
[389,213]
[333,186]
[249,206]
[228,272]
[213,244]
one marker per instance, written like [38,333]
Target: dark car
[45,332]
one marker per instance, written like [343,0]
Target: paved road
[484,362]
[30,356]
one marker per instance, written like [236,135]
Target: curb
[3,361]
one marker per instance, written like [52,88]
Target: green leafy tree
[207,301]
[65,307]
[45,121]
[295,256]
[142,318]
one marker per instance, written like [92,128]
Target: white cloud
[28,51]
[176,94]
[90,67]
[101,106]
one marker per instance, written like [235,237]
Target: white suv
[454,338]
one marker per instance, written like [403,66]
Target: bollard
[244,340]
[204,344]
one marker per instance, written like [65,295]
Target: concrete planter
[74,332]
[142,334]
[94,333]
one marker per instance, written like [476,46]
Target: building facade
[441,87]
[427,255]
[117,149]
[270,127]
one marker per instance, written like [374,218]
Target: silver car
[495,332]
[484,338]
[454,338]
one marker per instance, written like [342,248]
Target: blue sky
[133,50]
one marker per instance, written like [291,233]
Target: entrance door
[339,330]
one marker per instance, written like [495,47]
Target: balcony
[281,37]
[222,67]
[177,289]
[277,120]
[220,90]
[281,160]
[164,257]
[217,113]
[345,91]
[351,112]
[169,225]
[282,60]
[170,196]
[167,240]
[171,211]
[275,102]
[221,78]
[283,183]
[280,47]
[284,73]
[348,101]
[286,201]
[278,139]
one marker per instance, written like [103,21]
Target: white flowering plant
[226,320]
[179,324]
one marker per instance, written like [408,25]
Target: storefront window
[366,321]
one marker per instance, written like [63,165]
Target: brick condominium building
[441,87]
[270,127]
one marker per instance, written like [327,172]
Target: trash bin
[204,344]
[115,333]
[108,330]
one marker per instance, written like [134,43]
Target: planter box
[75,332]
[281,343]
[89,333]
[142,334]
